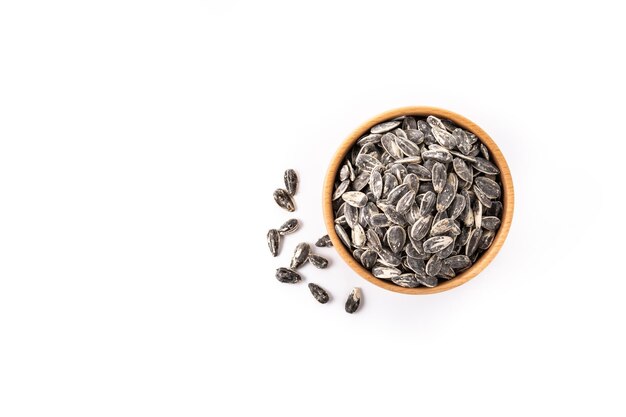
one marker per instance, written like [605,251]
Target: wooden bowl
[496,157]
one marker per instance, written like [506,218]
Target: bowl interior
[496,157]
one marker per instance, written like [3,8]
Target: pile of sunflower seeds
[417,200]
[302,253]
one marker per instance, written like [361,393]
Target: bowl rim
[496,157]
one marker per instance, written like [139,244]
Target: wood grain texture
[496,157]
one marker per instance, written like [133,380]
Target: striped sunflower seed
[273,241]
[324,242]
[319,293]
[287,276]
[354,301]
[291,182]
[284,200]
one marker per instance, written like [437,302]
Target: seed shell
[291,181]
[354,301]
[319,293]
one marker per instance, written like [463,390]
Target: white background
[140,142]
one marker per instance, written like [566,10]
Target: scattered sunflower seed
[284,200]
[287,275]
[354,301]
[318,261]
[273,241]
[289,226]
[291,181]
[300,255]
[319,293]
[324,242]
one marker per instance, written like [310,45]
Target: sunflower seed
[351,169]
[477,208]
[394,195]
[393,215]
[343,235]
[489,187]
[484,151]
[457,207]
[396,237]
[287,275]
[423,126]
[486,240]
[409,123]
[434,121]
[318,261]
[406,280]
[446,272]
[437,243]
[458,262]
[433,266]
[385,272]
[472,243]
[389,143]
[367,162]
[355,198]
[319,293]
[415,136]
[439,155]
[482,197]
[300,255]
[442,226]
[353,301]
[352,215]
[368,258]
[462,140]
[324,242]
[421,227]
[462,169]
[408,147]
[358,236]
[444,138]
[370,139]
[426,280]
[490,223]
[445,197]
[379,220]
[344,173]
[289,226]
[405,202]
[423,173]
[389,258]
[376,183]
[428,203]
[412,181]
[447,251]
[284,200]
[273,241]
[291,181]
[464,157]
[439,176]
[343,186]
[385,126]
